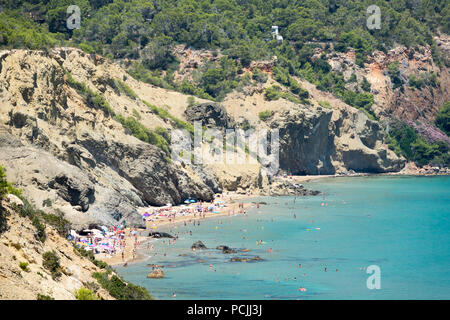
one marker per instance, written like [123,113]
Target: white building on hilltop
[276,35]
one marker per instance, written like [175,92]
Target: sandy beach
[133,243]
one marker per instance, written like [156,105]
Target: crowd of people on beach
[113,240]
[107,240]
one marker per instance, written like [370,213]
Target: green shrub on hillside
[365,85]
[417,82]
[57,221]
[92,99]
[272,93]
[259,76]
[191,101]
[394,74]
[85,294]
[143,133]
[6,187]
[324,104]
[52,264]
[124,88]
[28,210]
[43,297]
[120,289]
[164,114]
[264,115]
[442,120]
[24,266]
[90,255]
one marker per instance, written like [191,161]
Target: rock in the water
[156,274]
[245,259]
[161,235]
[198,245]
[226,249]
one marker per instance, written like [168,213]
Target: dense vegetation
[146,32]
[123,28]
[405,141]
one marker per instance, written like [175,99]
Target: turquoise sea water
[401,224]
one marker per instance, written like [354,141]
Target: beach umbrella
[192,201]
[146,214]
[187,201]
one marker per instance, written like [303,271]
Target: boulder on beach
[156,274]
[198,245]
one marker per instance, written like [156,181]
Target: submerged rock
[198,245]
[226,249]
[156,274]
[245,259]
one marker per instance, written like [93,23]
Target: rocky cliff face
[327,141]
[56,146]
[405,101]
